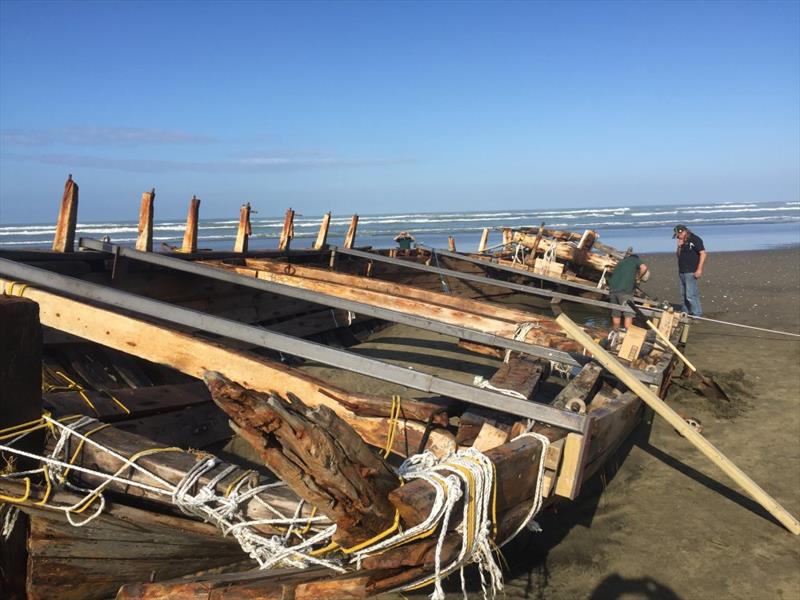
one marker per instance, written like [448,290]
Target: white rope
[602,281]
[536,502]
[467,474]
[485,384]
[520,334]
[10,514]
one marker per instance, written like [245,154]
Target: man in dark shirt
[621,285]
[691,257]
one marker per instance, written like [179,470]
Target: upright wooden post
[451,243]
[64,240]
[145,240]
[350,238]
[244,231]
[190,235]
[20,402]
[322,236]
[484,240]
[508,236]
[677,422]
[288,231]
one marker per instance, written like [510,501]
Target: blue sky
[377,107]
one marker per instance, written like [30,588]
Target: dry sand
[668,524]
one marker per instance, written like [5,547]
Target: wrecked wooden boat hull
[129,333]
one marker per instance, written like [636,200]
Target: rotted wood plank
[140,402]
[316,454]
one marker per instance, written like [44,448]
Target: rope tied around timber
[467,473]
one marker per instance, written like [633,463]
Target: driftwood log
[316,454]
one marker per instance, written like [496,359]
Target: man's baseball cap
[677,229]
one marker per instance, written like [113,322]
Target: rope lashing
[485,384]
[74,386]
[467,474]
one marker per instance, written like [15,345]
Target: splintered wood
[317,454]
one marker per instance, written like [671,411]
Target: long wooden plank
[467,305]
[542,333]
[193,357]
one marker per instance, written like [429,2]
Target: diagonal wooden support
[676,421]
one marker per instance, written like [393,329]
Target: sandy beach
[668,524]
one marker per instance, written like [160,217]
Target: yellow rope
[18,499]
[377,537]
[394,415]
[74,385]
[236,481]
[307,527]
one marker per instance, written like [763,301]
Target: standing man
[691,258]
[621,284]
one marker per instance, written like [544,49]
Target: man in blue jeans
[691,258]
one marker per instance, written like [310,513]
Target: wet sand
[662,522]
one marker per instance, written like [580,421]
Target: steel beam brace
[257,336]
[361,308]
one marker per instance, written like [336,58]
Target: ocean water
[723,226]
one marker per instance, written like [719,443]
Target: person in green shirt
[404,240]
[621,285]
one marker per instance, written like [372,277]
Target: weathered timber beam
[491,263]
[524,289]
[244,230]
[568,252]
[466,305]
[192,219]
[322,236]
[316,454]
[144,240]
[350,236]
[193,356]
[470,315]
[287,233]
[169,465]
[20,402]
[64,239]
[580,389]
[361,308]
